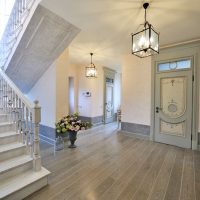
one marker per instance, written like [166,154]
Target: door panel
[173,114]
[109,103]
[172,129]
[173,96]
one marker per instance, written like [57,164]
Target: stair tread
[7,147]
[14,162]
[3,114]
[20,181]
[7,134]
[5,123]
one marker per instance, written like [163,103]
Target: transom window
[109,80]
[174,65]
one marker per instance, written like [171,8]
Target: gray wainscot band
[94,120]
[47,134]
[135,128]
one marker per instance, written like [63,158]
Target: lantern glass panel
[145,43]
[91,72]
[141,40]
[154,40]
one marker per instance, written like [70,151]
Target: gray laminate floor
[113,166]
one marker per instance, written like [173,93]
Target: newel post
[36,151]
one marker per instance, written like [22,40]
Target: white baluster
[31,134]
[4,104]
[36,120]
[1,90]
[20,114]
[23,122]
[27,129]
[18,13]
[23,4]
[13,104]
[16,114]
[3,95]
[10,103]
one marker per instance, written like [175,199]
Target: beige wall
[136,89]
[64,70]
[90,106]
[52,90]
[93,106]
[45,92]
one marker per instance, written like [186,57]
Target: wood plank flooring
[108,165]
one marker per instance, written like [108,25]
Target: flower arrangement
[71,123]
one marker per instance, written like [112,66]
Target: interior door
[173,103]
[109,101]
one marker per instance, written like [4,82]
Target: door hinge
[192,77]
[191,137]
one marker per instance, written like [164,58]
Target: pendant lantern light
[91,71]
[146,41]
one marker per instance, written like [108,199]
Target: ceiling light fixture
[146,41]
[91,71]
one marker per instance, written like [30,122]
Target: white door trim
[191,50]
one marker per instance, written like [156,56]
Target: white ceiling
[107,25]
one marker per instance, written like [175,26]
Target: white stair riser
[26,191]
[10,139]
[1,109]
[12,153]
[7,127]
[4,118]
[16,170]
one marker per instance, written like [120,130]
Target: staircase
[20,164]
[19,19]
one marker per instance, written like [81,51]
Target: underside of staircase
[45,38]
[17,176]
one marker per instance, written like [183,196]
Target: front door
[173,103]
